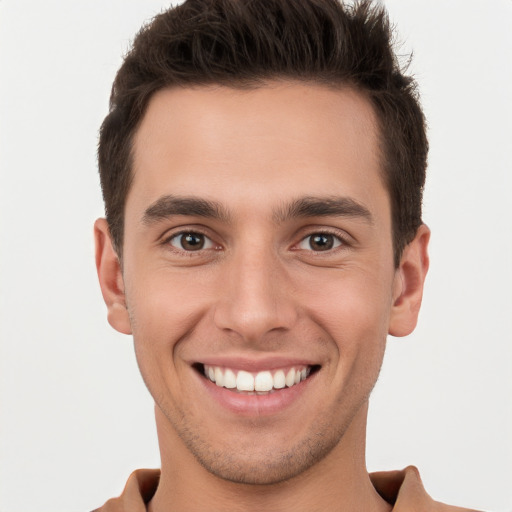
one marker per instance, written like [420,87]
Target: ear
[111,278]
[408,286]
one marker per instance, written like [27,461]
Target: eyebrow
[323,207]
[169,205]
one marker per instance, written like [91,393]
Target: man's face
[258,252]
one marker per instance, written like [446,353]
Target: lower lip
[256,405]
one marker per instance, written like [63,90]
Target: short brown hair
[247,43]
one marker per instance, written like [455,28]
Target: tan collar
[403,489]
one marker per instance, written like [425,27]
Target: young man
[262,167]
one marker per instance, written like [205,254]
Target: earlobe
[409,281]
[111,278]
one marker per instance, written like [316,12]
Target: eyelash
[339,242]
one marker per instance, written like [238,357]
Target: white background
[75,416]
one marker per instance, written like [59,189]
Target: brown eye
[191,241]
[320,242]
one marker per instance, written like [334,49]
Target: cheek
[163,300]
[351,293]
[357,322]
[164,309]
[353,308]
[163,312]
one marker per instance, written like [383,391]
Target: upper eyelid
[181,230]
[335,235]
[318,230]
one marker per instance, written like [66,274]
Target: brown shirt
[402,488]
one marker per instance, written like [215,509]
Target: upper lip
[256,364]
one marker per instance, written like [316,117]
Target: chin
[266,460]
[263,470]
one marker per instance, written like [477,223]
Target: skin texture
[260,291]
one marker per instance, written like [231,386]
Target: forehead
[282,139]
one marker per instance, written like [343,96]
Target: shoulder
[139,489]
[404,489]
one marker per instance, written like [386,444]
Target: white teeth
[229,379]
[261,382]
[290,377]
[279,380]
[219,378]
[244,381]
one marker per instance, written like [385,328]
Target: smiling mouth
[256,383]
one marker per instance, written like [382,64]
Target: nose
[256,297]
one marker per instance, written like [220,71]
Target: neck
[337,482]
